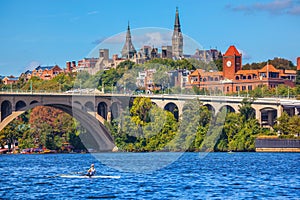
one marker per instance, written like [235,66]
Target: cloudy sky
[49,32]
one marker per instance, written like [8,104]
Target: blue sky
[49,32]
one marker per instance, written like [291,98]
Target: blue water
[216,176]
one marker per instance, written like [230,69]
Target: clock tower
[232,62]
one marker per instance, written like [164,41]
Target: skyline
[53,32]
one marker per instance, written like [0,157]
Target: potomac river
[191,176]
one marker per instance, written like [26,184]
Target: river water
[191,176]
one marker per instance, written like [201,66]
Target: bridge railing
[97,92]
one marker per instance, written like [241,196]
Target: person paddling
[91,171]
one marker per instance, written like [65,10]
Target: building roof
[12,78]
[44,67]
[269,68]
[232,51]
[28,72]
[201,72]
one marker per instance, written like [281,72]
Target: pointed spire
[128,34]
[177,22]
[128,49]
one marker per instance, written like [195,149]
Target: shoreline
[258,150]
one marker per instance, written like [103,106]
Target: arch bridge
[93,109]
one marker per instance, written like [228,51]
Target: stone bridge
[91,110]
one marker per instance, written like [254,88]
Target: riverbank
[276,144]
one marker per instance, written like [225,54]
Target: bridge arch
[173,108]
[6,109]
[268,116]
[102,110]
[77,104]
[20,104]
[114,109]
[33,102]
[228,108]
[92,122]
[154,104]
[211,109]
[89,106]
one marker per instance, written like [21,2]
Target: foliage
[144,127]
[263,91]
[193,126]
[241,129]
[12,132]
[288,126]
[172,64]
[279,63]
[51,127]
[298,79]
[62,82]
[241,135]
[42,127]
[246,110]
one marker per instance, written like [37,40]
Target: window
[237,78]
[249,77]
[249,87]
[243,88]
[237,88]
[227,88]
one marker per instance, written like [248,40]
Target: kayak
[83,176]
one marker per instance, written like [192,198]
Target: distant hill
[279,63]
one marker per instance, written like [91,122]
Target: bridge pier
[258,116]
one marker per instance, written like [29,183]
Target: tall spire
[177,22]
[177,38]
[128,50]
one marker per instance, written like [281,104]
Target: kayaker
[91,171]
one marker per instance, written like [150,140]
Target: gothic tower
[177,38]
[128,50]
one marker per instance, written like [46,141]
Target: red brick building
[10,80]
[45,73]
[234,79]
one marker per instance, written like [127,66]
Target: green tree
[11,133]
[282,125]
[144,127]
[298,78]
[246,110]
[294,126]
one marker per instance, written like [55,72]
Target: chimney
[68,66]
[73,65]
[115,57]
[298,63]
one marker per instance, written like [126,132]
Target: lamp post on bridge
[31,86]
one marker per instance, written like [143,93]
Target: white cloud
[156,39]
[93,12]
[273,7]
[245,55]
